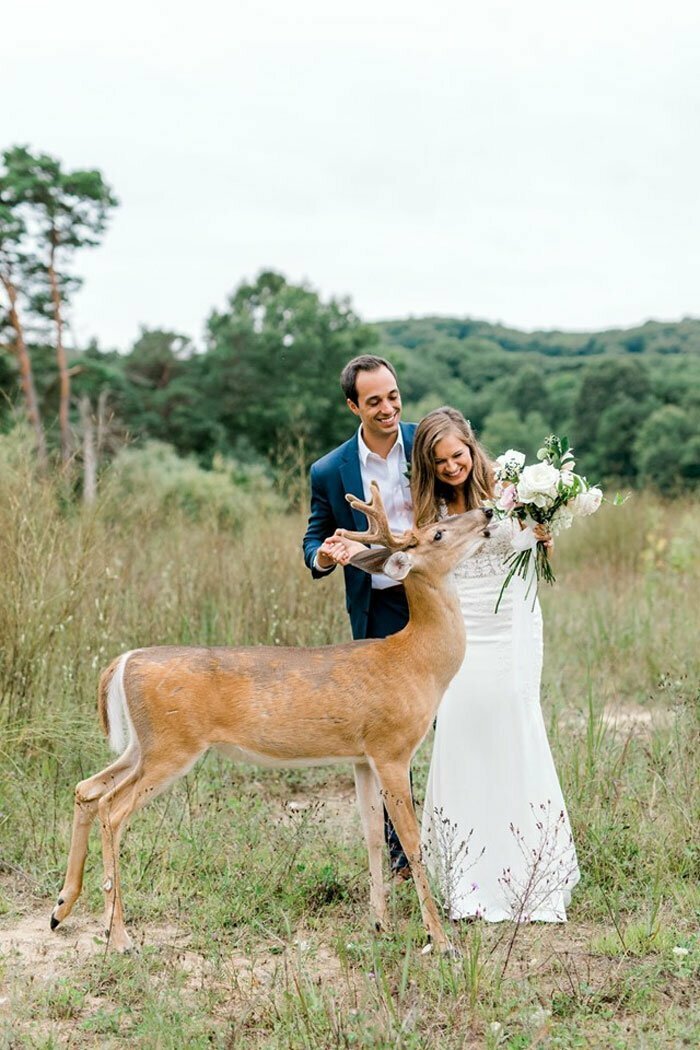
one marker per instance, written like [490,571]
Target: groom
[380,451]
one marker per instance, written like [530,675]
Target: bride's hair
[426,489]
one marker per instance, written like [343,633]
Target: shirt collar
[365,452]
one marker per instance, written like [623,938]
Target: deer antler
[379,530]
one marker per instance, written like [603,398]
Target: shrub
[153,481]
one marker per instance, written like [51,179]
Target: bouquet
[548,494]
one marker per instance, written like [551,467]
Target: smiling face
[452,460]
[378,406]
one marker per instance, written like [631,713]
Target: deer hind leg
[139,787]
[369,802]
[396,789]
[87,796]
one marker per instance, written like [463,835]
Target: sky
[536,164]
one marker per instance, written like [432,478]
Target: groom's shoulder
[408,430]
[333,459]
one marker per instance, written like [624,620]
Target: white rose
[587,502]
[538,484]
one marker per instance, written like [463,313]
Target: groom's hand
[324,555]
[338,550]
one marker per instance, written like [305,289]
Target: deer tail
[112,705]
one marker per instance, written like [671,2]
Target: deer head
[433,550]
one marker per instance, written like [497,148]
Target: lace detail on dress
[490,559]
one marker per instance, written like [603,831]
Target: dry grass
[254,912]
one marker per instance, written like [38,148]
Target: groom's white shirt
[390,475]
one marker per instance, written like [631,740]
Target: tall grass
[246,878]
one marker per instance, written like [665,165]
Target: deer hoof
[444,948]
[122,945]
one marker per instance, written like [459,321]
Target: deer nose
[488,512]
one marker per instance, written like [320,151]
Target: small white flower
[681,951]
[512,456]
[563,519]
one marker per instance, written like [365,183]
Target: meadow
[246,890]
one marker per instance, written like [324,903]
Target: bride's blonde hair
[426,489]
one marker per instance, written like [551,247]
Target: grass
[247,889]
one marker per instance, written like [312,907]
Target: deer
[369,702]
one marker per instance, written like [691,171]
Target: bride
[495,834]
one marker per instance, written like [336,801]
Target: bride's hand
[342,550]
[544,536]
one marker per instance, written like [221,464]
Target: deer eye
[438,535]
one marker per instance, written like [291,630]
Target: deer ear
[371,560]
[398,565]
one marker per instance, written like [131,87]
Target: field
[246,890]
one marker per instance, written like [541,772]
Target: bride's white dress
[496,834]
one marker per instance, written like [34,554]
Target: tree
[163,394]
[505,429]
[270,372]
[13,266]
[66,210]
[157,357]
[618,426]
[528,392]
[613,398]
[667,450]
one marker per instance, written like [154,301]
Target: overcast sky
[536,163]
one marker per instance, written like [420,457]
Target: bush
[153,481]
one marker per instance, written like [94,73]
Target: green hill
[629,399]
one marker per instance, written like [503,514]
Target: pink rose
[508,498]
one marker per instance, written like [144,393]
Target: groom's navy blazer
[332,476]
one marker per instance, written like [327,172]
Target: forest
[258,390]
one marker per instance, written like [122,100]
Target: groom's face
[378,403]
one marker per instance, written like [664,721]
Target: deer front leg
[87,796]
[371,814]
[396,790]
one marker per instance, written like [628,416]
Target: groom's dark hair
[363,363]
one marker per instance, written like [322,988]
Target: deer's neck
[435,632]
